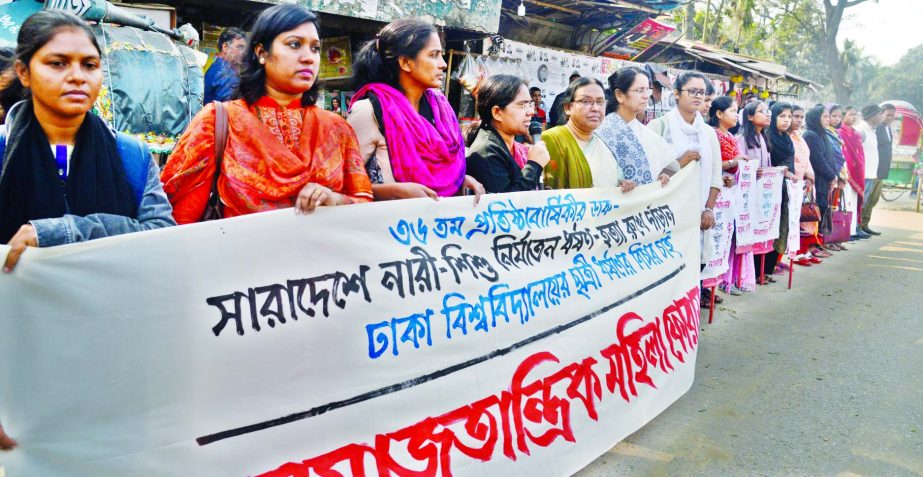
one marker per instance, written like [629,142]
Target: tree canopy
[802,35]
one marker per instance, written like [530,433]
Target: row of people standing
[401,138]
[68,177]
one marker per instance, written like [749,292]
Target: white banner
[795,192]
[747,202]
[722,232]
[524,336]
[768,215]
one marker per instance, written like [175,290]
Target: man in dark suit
[885,140]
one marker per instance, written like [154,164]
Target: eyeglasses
[589,103]
[524,105]
[764,111]
[641,90]
[695,93]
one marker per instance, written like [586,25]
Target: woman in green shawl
[579,159]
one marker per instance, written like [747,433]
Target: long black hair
[377,60]
[271,23]
[721,103]
[496,90]
[622,80]
[748,130]
[36,32]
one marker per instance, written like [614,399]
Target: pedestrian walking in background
[222,77]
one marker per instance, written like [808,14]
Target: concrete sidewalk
[824,379]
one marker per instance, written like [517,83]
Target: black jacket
[492,164]
[822,162]
[883,133]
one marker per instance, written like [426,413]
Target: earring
[262,61]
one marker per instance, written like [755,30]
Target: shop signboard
[336,58]
[637,40]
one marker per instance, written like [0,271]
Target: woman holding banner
[66,175]
[642,155]
[692,139]
[579,159]
[722,115]
[281,150]
[781,154]
[408,134]
[752,141]
[495,159]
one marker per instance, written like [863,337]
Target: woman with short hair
[579,159]
[643,155]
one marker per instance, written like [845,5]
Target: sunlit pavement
[824,379]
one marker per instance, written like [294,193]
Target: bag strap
[2,147]
[133,153]
[221,142]
[136,161]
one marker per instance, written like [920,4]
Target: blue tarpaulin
[12,14]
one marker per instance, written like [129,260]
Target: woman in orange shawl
[282,150]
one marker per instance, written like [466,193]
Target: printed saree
[272,152]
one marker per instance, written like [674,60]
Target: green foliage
[792,33]
[902,81]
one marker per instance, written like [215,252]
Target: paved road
[825,379]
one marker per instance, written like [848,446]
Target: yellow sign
[336,60]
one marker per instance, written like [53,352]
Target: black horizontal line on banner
[316,411]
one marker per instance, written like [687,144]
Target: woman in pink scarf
[408,134]
[855,165]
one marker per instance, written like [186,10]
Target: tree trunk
[689,24]
[837,72]
[835,67]
[715,29]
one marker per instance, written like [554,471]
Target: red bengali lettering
[534,411]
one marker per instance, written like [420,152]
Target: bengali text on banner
[526,335]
